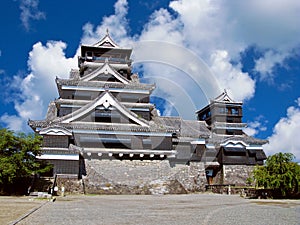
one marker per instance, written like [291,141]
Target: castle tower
[104,113]
[223,115]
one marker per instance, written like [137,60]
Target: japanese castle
[104,115]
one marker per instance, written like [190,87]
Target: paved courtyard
[165,209]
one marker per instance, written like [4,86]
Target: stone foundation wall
[142,177]
[236,174]
[71,184]
[148,177]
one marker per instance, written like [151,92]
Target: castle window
[223,110]
[234,111]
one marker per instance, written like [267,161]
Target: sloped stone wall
[70,184]
[142,177]
[148,177]
[236,174]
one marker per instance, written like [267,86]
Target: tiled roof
[52,111]
[101,126]
[228,125]
[84,102]
[218,139]
[102,84]
[185,128]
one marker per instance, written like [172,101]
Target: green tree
[18,156]
[279,173]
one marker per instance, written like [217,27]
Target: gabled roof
[105,69]
[55,130]
[36,125]
[107,41]
[100,85]
[219,139]
[224,98]
[106,99]
[185,128]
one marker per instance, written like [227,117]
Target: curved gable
[106,100]
[234,144]
[105,69]
[55,131]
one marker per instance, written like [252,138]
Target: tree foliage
[18,156]
[279,173]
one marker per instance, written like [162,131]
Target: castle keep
[104,131]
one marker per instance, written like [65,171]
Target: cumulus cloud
[29,11]
[268,25]
[265,65]
[255,127]
[162,26]
[37,89]
[284,137]
[13,122]
[235,25]
[45,62]
[216,32]
[117,24]
[201,26]
[239,84]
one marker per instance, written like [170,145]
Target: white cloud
[285,133]
[270,26]
[254,128]
[13,122]
[239,85]
[235,25]
[29,11]
[267,24]
[265,65]
[216,31]
[162,27]
[202,27]
[38,88]
[45,62]
[117,25]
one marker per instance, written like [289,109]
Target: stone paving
[165,209]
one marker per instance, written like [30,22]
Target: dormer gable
[105,70]
[234,144]
[106,42]
[224,97]
[55,130]
[107,101]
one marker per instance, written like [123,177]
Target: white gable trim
[224,97]
[106,69]
[106,100]
[107,38]
[235,144]
[58,157]
[255,147]
[198,142]
[55,131]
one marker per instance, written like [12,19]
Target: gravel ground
[12,208]
[165,209]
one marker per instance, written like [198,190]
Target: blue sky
[250,47]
